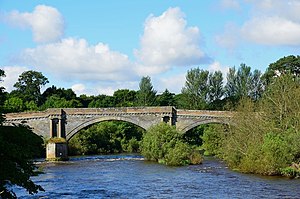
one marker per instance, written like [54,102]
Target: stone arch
[75,130]
[195,124]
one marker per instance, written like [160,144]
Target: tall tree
[146,93]
[166,99]
[215,83]
[124,97]
[67,94]
[196,88]
[29,85]
[243,83]
[289,64]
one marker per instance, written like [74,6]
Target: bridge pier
[57,151]
[79,118]
[57,148]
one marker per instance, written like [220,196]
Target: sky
[97,47]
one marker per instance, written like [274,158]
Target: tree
[164,144]
[56,102]
[13,104]
[166,99]
[264,136]
[146,93]
[215,83]
[102,101]
[243,83]
[289,64]
[18,145]
[29,85]
[196,88]
[67,94]
[124,97]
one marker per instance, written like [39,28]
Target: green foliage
[292,171]
[166,99]
[146,93]
[196,88]
[164,144]
[13,104]
[67,94]
[29,85]
[18,145]
[193,136]
[102,101]
[106,137]
[264,137]
[243,83]
[124,97]
[285,65]
[212,138]
[215,86]
[55,101]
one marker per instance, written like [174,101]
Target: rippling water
[129,176]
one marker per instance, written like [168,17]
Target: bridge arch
[81,126]
[195,124]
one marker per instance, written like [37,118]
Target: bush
[212,139]
[164,144]
[264,136]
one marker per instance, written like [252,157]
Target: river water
[129,176]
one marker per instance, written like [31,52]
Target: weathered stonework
[67,122]
[56,151]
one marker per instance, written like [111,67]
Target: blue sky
[96,47]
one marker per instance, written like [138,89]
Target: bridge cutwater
[66,122]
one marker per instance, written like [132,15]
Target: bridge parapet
[197,113]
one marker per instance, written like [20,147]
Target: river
[129,176]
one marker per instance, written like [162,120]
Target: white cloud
[173,83]
[167,41]
[79,89]
[272,31]
[12,74]
[46,23]
[74,59]
[106,88]
[271,22]
[217,66]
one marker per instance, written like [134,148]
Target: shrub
[164,144]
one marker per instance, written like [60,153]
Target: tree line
[202,90]
[263,137]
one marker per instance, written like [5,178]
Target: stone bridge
[67,122]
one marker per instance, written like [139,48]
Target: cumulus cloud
[168,41]
[74,59]
[12,74]
[273,23]
[45,22]
[272,31]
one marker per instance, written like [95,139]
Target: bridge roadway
[67,122]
